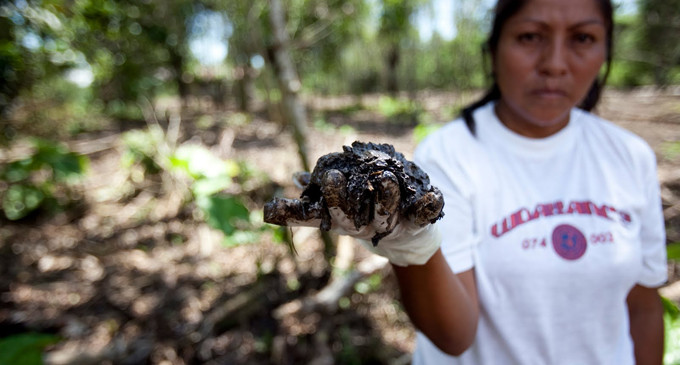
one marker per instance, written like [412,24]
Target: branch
[326,300]
[302,316]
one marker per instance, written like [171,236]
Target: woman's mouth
[549,93]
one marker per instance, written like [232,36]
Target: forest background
[140,139]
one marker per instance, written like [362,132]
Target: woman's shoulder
[611,134]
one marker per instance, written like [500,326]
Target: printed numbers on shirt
[595,239]
[602,238]
[530,243]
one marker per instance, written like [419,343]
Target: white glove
[403,240]
[409,246]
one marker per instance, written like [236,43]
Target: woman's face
[548,55]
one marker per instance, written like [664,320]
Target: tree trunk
[177,64]
[289,83]
[245,87]
[393,58]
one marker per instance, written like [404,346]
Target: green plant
[423,130]
[672,332]
[42,180]
[671,150]
[400,111]
[671,317]
[208,173]
[25,348]
[212,183]
[673,251]
[322,125]
[209,177]
[370,284]
[349,353]
[141,147]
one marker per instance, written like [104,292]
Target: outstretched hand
[372,193]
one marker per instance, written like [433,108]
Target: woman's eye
[584,38]
[529,37]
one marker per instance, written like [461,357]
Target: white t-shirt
[558,230]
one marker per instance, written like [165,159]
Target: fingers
[342,217]
[387,200]
[292,212]
[334,190]
[428,208]
[382,212]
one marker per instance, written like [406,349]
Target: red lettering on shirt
[524,215]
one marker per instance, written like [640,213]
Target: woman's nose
[553,61]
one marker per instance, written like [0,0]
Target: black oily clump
[362,164]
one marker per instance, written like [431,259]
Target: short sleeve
[652,233]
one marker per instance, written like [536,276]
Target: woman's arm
[441,304]
[646,325]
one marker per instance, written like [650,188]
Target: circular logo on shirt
[569,242]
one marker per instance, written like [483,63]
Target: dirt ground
[132,276]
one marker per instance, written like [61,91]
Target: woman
[553,220]
[552,244]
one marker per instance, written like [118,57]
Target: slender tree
[395,27]
[288,80]
[660,27]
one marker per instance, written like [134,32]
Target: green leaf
[279,234]
[25,349]
[673,251]
[19,200]
[223,212]
[17,171]
[179,164]
[423,130]
[210,186]
[241,238]
[670,308]
[198,162]
[671,332]
[69,167]
[65,165]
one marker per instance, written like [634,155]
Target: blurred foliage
[67,68]
[400,111]
[670,150]
[214,185]
[645,49]
[672,316]
[120,51]
[369,284]
[42,180]
[25,348]
[658,40]
[209,173]
[140,147]
[673,251]
[423,130]
[671,320]
[209,178]
[320,124]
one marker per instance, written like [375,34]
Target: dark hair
[503,11]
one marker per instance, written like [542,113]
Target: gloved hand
[403,234]
[410,246]
[403,240]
